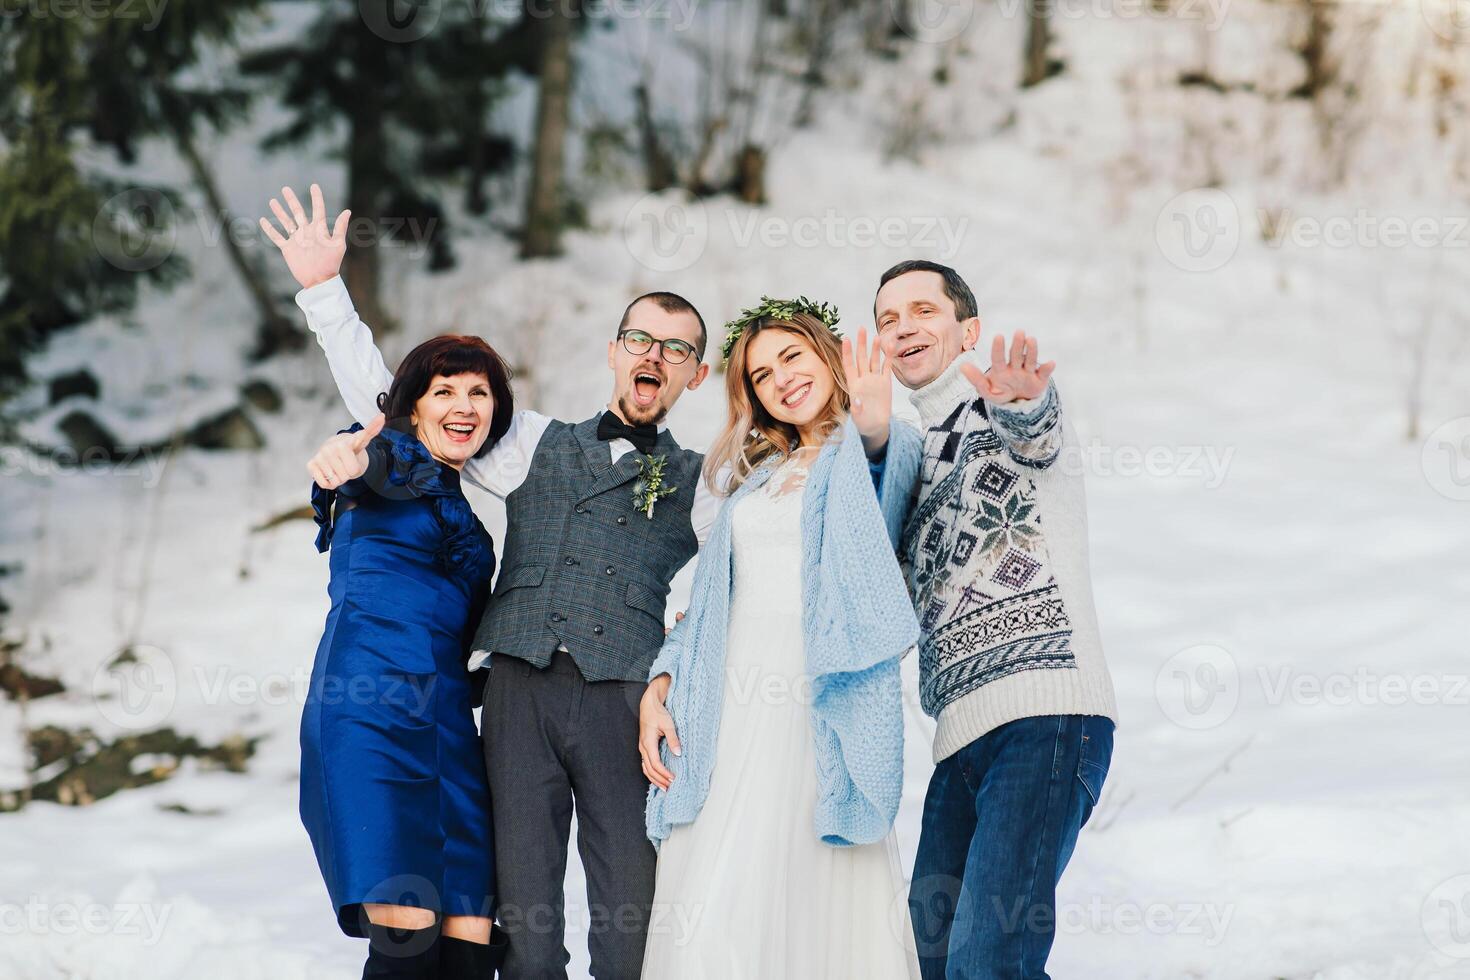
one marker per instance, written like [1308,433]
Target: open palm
[1012,377]
[869,387]
[312,252]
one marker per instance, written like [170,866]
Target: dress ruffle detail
[400,465]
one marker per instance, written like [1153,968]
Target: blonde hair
[751,434]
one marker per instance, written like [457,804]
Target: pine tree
[474,58]
[544,207]
[413,86]
[73,243]
[166,95]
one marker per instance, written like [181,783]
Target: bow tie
[642,437]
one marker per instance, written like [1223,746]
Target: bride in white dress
[749,889]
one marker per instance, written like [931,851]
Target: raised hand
[312,252]
[655,723]
[1011,378]
[344,456]
[870,385]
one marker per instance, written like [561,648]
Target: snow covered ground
[1280,573]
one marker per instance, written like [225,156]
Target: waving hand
[1011,378]
[313,252]
[870,385]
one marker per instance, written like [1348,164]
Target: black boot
[402,954]
[460,959]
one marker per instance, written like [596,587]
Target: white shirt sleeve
[358,368]
[707,504]
[506,466]
[356,365]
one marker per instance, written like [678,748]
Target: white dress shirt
[358,368]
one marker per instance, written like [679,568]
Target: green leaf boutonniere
[650,489]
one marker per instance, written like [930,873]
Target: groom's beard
[635,414]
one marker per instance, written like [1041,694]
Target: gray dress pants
[553,739]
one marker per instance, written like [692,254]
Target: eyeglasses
[638,343]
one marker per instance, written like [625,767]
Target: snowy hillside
[1280,572]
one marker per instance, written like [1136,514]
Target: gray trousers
[552,738]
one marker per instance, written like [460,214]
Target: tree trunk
[475,200]
[366,150]
[367,186]
[1321,69]
[1036,68]
[888,22]
[276,332]
[699,184]
[819,47]
[750,174]
[476,105]
[658,169]
[553,106]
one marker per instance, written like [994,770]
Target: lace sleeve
[791,476]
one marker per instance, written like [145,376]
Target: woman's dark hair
[448,356]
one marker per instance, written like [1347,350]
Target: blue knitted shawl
[858,622]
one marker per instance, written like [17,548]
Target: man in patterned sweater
[1010,663]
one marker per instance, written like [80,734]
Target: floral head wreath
[778,309]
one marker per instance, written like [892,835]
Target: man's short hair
[670,303]
[954,287]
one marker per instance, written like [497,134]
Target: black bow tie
[642,437]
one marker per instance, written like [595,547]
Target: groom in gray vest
[601,515]
[572,628]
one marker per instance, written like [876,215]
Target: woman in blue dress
[393,787]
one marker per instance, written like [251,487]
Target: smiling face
[452,416]
[645,386]
[918,328]
[793,383]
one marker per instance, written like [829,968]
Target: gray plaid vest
[581,567]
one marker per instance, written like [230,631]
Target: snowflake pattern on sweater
[975,554]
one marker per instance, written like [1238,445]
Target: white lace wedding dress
[747,891]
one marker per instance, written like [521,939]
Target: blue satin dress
[393,788]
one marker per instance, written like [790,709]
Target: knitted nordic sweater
[995,552]
[858,623]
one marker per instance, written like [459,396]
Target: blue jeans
[1001,819]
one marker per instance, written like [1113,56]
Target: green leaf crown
[778,309]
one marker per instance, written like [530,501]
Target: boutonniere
[650,489]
